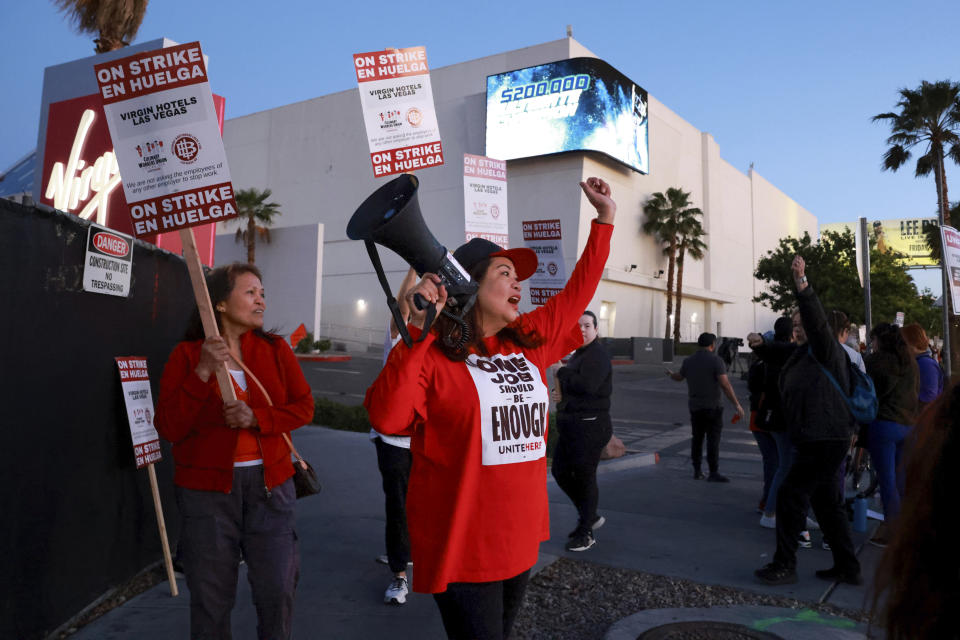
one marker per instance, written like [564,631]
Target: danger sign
[109,262]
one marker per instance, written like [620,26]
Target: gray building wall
[315,158]
[290,264]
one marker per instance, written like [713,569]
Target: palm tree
[115,21]
[664,213]
[689,244]
[928,116]
[252,207]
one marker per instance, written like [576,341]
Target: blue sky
[790,87]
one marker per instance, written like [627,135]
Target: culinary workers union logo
[186,147]
[414,117]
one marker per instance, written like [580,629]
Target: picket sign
[180,183]
[135,384]
[161,525]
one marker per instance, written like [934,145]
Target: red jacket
[190,413]
[477,496]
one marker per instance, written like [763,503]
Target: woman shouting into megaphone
[476,408]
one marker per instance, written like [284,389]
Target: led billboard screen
[580,104]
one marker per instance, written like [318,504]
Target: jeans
[394,464]
[768,451]
[811,481]
[885,443]
[481,610]
[582,438]
[216,528]
[709,423]
[784,461]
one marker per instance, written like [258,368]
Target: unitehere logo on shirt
[513,408]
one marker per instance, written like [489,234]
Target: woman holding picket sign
[233,470]
[477,414]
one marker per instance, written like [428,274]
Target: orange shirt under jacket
[477,497]
[190,413]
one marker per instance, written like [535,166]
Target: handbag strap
[266,395]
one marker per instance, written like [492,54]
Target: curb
[314,357]
[632,460]
[797,624]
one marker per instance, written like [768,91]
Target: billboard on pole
[906,236]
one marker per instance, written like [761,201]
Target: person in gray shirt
[706,376]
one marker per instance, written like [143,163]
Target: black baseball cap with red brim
[469,254]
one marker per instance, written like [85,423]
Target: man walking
[706,376]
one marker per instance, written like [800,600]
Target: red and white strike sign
[398,110]
[166,137]
[135,382]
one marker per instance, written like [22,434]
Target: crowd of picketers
[470,394]
[804,383]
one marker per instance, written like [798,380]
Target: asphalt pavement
[659,520]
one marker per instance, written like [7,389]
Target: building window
[607,318]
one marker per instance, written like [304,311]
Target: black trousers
[481,610]
[709,423]
[581,440]
[216,528]
[394,464]
[812,482]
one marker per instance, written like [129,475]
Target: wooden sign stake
[209,321]
[161,525]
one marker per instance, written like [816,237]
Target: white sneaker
[804,540]
[397,591]
[768,522]
[812,525]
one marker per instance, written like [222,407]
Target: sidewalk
[659,521]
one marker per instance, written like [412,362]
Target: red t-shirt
[477,497]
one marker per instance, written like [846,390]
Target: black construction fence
[78,517]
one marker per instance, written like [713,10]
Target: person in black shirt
[706,377]
[584,428]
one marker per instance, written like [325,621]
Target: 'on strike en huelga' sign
[166,138]
[951,259]
[135,382]
[398,110]
[546,239]
[485,199]
[109,262]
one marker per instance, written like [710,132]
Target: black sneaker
[836,575]
[716,477]
[581,542]
[697,474]
[597,523]
[774,574]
